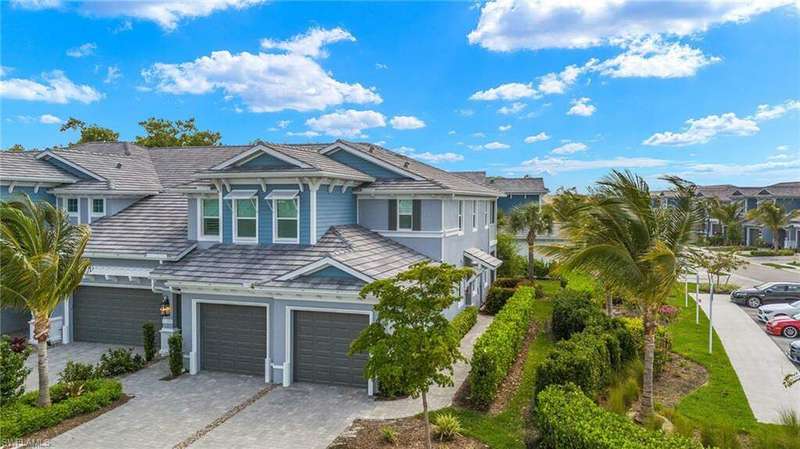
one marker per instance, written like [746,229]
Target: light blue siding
[365,166]
[76,173]
[334,208]
[329,272]
[506,204]
[267,161]
[41,195]
[265,213]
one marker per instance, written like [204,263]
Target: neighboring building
[517,191]
[785,194]
[259,250]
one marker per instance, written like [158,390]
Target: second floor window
[286,221]
[461,215]
[209,211]
[493,212]
[72,207]
[98,207]
[405,215]
[486,213]
[246,214]
[474,215]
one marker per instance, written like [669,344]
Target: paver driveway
[162,413]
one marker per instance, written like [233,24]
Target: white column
[167,328]
[312,216]
[65,337]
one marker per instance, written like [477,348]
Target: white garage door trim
[194,355]
[287,366]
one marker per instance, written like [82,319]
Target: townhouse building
[255,253]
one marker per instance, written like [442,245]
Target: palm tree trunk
[41,329]
[531,242]
[428,443]
[775,241]
[609,304]
[646,405]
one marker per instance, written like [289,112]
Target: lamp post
[697,298]
[711,316]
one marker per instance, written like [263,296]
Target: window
[493,213]
[486,214]
[72,207]
[245,219]
[98,207]
[461,215]
[405,215]
[209,218]
[474,215]
[287,221]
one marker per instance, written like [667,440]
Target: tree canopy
[16,148]
[178,133]
[90,133]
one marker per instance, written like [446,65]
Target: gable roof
[727,192]
[113,171]
[24,166]
[525,184]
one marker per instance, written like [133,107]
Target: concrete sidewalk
[759,363]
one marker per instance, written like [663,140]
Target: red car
[789,327]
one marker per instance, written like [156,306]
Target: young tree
[42,258]
[90,133]
[411,344]
[773,217]
[178,133]
[635,247]
[530,219]
[513,264]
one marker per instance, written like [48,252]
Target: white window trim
[76,214]
[493,216]
[200,235]
[275,238]
[460,207]
[94,214]
[246,240]
[398,215]
[474,215]
[486,214]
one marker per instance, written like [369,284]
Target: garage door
[233,338]
[114,315]
[321,342]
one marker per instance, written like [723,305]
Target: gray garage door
[321,342]
[114,315]
[233,338]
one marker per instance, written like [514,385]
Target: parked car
[794,352]
[769,292]
[787,326]
[766,313]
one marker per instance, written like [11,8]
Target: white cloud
[512,109]
[303,134]
[504,128]
[554,165]
[112,74]
[570,148]
[496,146]
[36,4]
[349,123]
[581,106]
[479,135]
[704,129]
[452,132]
[57,88]
[557,83]
[380,66]
[541,137]
[465,112]
[265,82]
[508,25]
[282,124]
[761,168]
[49,119]
[167,14]
[406,122]
[766,112]
[86,49]
[311,43]
[508,92]
[428,156]
[652,57]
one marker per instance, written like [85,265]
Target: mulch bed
[42,436]
[679,377]
[366,434]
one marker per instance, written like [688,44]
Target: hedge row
[496,299]
[568,419]
[23,416]
[771,252]
[496,350]
[464,321]
[573,311]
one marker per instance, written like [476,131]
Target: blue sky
[708,91]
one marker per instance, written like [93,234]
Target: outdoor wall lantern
[166,309]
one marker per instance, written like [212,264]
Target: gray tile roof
[120,172]
[448,182]
[152,227]
[362,250]
[24,165]
[506,185]
[727,192]
[176,165]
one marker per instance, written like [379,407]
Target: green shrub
[771,252]
[568,419]
[572,312]
[497,298]
[497,349]
[175,343]
[389,434]
[119,361]
[720,436]
[620,397]
[514,264]
[446,426]
[149,336]
[583,360]
[507,282]
[464,320]
[719,288]
[663,343]
[12,368]
[78,372]
[24,417]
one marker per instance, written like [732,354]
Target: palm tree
[635,247]
[729,215]
[773,217]
[531,219]
[42,258]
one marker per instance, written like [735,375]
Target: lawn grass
[506,430]
[780,266]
